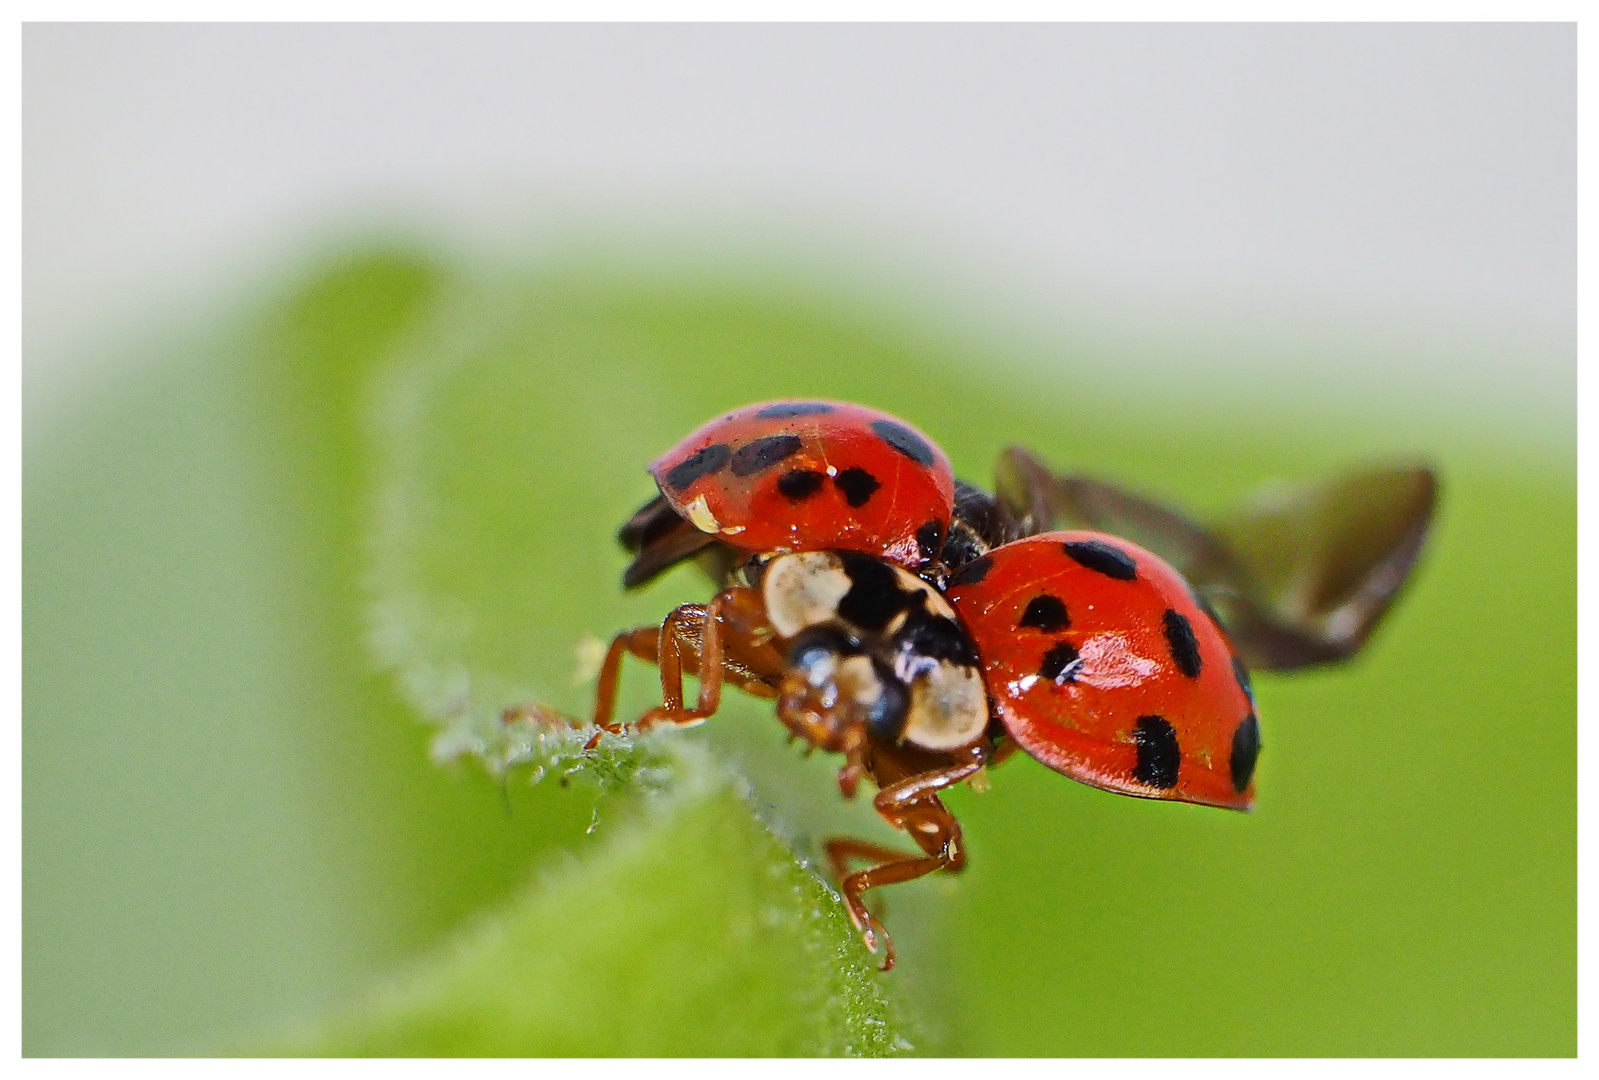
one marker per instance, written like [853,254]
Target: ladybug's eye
[816,652]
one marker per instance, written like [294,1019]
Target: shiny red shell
[1102,665]
[813,475]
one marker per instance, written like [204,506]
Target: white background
[1404,195]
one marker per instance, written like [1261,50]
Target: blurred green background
[232,828]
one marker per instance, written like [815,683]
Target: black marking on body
[1241,673]
[905,440]
[888,714]
[928,538]
[1045,612]
[700,463]
[1102,558]
[1246,749]
[762,454]
[1182,643]
[1158,754]
[800,484]
[787,410]
[857,485]
[971,573]
[874,597]
[937,638]
[1061,663]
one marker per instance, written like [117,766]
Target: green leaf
[230,818]
[692,933]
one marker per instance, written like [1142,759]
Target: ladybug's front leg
[729,638]
[643,642]
[911,805]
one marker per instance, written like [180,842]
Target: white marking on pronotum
[802,590]
[699,512]
[948,707]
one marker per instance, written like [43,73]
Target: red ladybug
[1102,665]
[796,476]
[925,628]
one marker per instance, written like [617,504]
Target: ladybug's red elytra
[925,628]
[1101,664]
[797,476]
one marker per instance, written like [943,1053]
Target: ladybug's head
[871,648]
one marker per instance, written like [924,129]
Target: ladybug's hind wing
[658,538]
[1324,562]
[1299,576]
[1042,500]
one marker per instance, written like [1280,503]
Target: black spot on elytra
[1246,749]
[1102,558]
[800,484]
[857,486]
[1061,663]
[1158,754]
[874,596]
[1045,612]
[1241,673]
[928,538]
[762,454]
[971,573]
[904,440]
[1182,643]
[700,463]
[787,410]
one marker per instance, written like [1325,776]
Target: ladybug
[924,628]
[1101,663]
[796,476]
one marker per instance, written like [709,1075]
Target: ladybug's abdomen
[1102,666]
[810,476]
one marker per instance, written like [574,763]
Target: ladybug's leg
[728,640]
[891,873]
[643,642]
[841,849]
[911,805]
[920,787]
[749,660]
